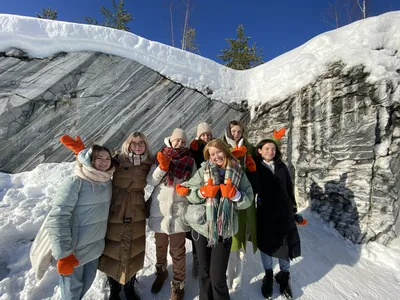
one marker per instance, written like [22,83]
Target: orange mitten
[164,162]
[228,190]
[75,145]
[209,190]
[65,266]
[239,151]
[250,164]
[181,190]
[194,145]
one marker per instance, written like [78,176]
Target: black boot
[266,288]
[115,288]
[283,279]
[130,291]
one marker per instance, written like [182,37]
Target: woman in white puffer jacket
[77,222]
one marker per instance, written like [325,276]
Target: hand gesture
[75,145]
[239,151]
[163,161]
[181,190]
[228,190]
[209,190]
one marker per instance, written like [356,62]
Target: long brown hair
[219,144]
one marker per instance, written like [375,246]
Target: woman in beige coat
[125,244]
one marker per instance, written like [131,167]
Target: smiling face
[137,145]
[205,137]
[268,151]
[178,143]
[217,157]
[102,161]
[237,133]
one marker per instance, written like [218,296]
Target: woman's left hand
[228,190]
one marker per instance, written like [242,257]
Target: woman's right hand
[163,161]
[209,190]
[65,266]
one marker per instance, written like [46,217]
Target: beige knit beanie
[178,133]
[203,127]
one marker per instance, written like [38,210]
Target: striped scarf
[181,164]
[219,210]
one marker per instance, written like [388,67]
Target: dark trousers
[189,237]
[213,262]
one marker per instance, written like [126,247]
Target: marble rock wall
[102,98]
[342,147]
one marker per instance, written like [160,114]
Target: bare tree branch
[172,25]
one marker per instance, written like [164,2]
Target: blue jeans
[75,286]
[284,265]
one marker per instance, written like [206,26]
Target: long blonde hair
[128,141]
[219,144]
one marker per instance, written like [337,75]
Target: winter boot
[237,280]
[161,276]
[266,288]
[115,288]
[283,279]
[177,290]
[195,267]
[129,289]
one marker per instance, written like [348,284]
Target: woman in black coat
[277,233]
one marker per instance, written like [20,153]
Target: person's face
[268,151]
[137,145]
[102,161]
[237,133]
[217,157]
[178,143]
[206,137]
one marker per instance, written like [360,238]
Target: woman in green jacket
[243,151]
[217,190]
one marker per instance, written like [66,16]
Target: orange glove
[250,164]
[75,145]
[164,162]
[65,266]
[194,145]
[228,190]
[239,151]
[209,190]
[181,190]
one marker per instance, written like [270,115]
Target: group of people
[219,193]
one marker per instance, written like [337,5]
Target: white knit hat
[178,133]
[203,127]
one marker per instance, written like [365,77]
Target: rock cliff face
[342,143]
[102,98]
[342,147]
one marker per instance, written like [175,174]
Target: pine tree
[239,55]
[117,17]
[189,40]
[47,13]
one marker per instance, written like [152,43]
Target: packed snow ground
[330,267]
[373,42]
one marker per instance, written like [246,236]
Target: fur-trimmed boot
[267,283]
[177,290]
[283,279]
[130,291]
[161,276]
[115,288]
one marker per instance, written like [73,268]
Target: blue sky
[277,26]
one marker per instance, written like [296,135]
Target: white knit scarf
[91,174]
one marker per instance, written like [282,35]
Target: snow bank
[373,42]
